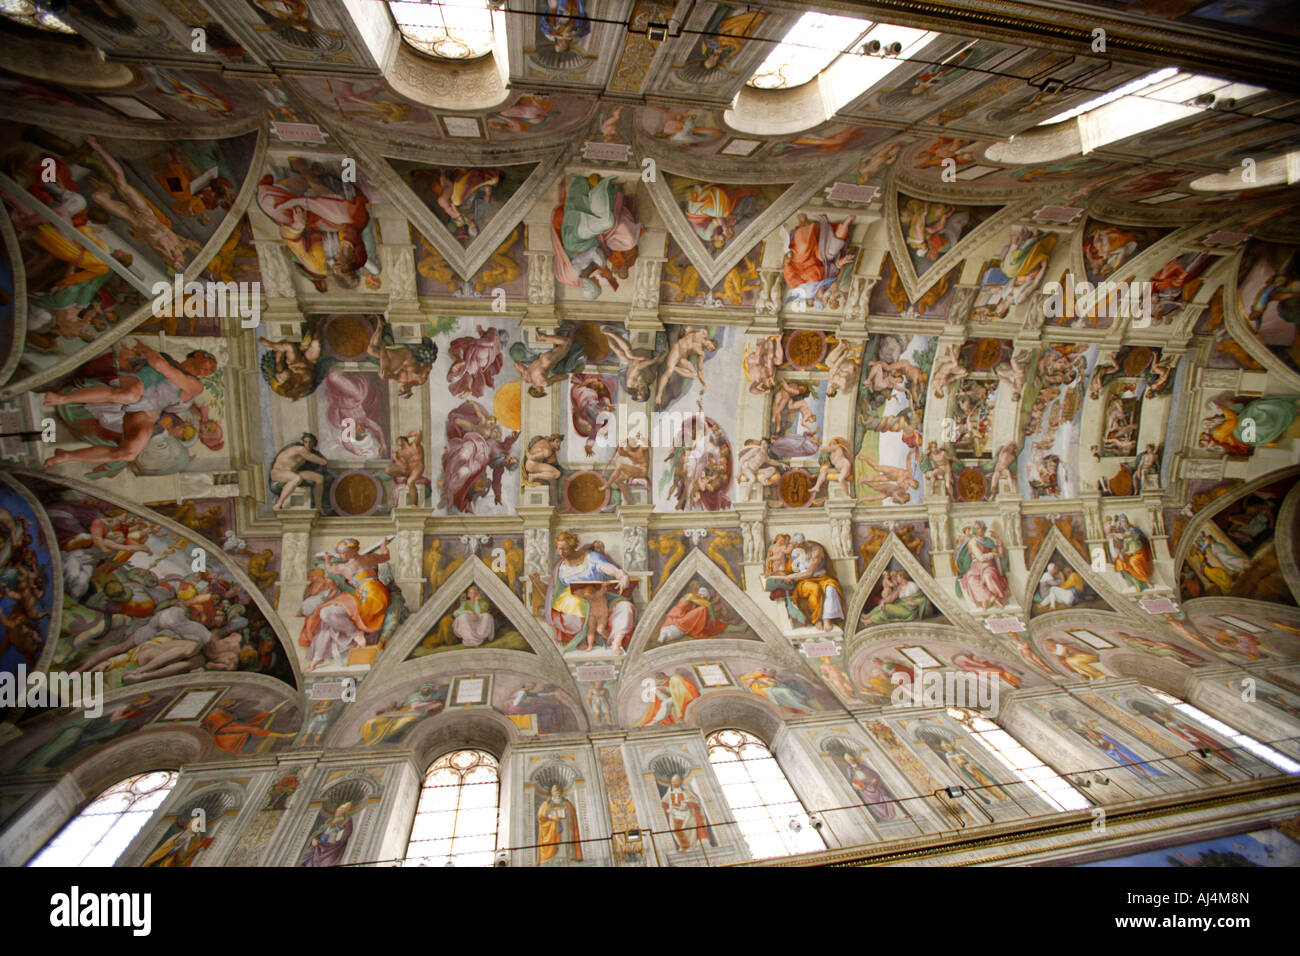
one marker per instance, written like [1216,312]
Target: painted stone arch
[663,690]
[30,564]
[534,702]
[643,643]
[888,672]
[420,626]
[246,715]
[135,586]
[1077,645]
[482,730]
[1247,541]
[146,166]
[393,171]
[1250,275]
[980,221]
[1104,596]
[952,610]
[1239,631]
[118,760]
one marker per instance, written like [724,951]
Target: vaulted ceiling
[862,318]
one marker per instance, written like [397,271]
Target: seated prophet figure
[589,596]
[901,599]
[472,620]
[801,578]
[696,615]
[148,384]
[557,825]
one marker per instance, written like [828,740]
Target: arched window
[448,29]
[36,15]
[769,814]
[456,819]
[98,834]
[1246,742]
[1019,762]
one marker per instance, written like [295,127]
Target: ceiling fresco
[588,372]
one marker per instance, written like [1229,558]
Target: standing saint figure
[557,823]
[685,815]
[330,842]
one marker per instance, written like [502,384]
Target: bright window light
[33,15]
[1151,101]
[456,818]
[99,834]
[451,29]
[1015,757]
[764,806]
[1262,751]
[813,42]
[1132,86]
[853,73]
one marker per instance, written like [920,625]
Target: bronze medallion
[591,337]
[984,354]
[795,488]
[970,485]
[348,335]
[1122,483]
[805,348]
[1136,360]
[355,493]
[586,492]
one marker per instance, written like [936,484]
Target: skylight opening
[33,15]
[854,73]
[1149,102]
[1141,83]
[812,43]
[449,29]
[1246,742]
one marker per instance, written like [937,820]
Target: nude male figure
[840,467]
[136,211]
[941,461]
[396,363]
[789,397]
[761,363]
[692,344]
[539,459]
[640,365]
[537,373]
[757,464]
[947,369]
[408,462]
[894,483]
[295,367]
[636,465]
[1007,455]
[288,468]
[842,362]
